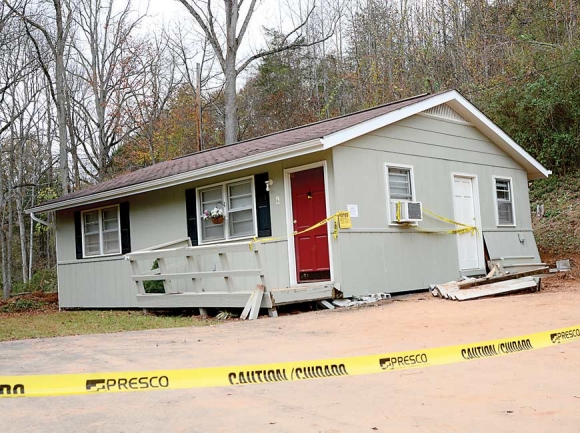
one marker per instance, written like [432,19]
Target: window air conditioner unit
[406,211]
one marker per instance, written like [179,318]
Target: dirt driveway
[537,391]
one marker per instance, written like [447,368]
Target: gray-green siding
[376,256]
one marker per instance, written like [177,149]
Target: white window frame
[391,218]
[227,235]
[495,200]
[99,210]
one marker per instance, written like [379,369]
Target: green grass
[17,326]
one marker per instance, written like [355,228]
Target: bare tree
[109,66]
[226,38]
[159,78]
[192,57]
[49,27]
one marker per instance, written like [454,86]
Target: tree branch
[246,21]
[284,46]
[208,29]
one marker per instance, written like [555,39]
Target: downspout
[38,220]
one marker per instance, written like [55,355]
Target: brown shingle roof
[239,150]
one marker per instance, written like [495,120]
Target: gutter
[188,176]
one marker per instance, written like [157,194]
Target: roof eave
[285,152]
[455,100]
[386,119]
[533,167]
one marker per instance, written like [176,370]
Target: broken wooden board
[443,290]
[256,301]
[563,265]
[304,293]
[248,307]
[493,289]
[326,304]
[485,280]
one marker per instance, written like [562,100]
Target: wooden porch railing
[180,268]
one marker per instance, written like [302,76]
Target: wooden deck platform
[271,299]
[186,284]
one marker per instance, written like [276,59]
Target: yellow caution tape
[133,381]
[466,228]
[335,217]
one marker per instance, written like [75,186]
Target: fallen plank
[484,281]
[493,271]
[342,302]
[494,289]
[326,304]
[304,293]
[563,265]
[443,290]
[258,294]
[247,307]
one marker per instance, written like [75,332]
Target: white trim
[100,214]
[477,211]
[290,217]
[388,189]
[464,108]
[224,186]
[499,137]
[512,197]
[227,167]
[386,119]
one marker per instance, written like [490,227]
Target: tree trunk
[3,248]
[231,74]
[8,243]
[231,112]
[21,224]
[6,289]
[31,245]
[61,108]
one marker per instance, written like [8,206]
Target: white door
[464,205]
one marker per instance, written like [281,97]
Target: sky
[269,13]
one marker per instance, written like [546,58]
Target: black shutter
[125,228]
[78,234]
[191,211]
[262,205]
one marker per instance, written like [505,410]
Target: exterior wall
[381,257]
[158,217]
[104,282]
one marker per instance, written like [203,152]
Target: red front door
[308,208]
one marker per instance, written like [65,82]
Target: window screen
[505,209]
[400,184]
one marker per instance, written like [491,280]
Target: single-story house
[406,171]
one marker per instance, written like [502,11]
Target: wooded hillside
[90,88]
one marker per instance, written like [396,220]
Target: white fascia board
[355,131]
[456,101]
[286,152]
[533,167]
